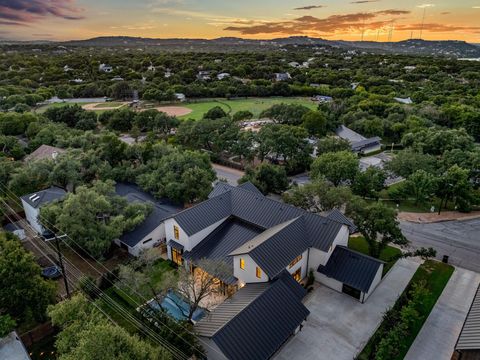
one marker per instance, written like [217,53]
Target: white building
[105,68]
[33,202]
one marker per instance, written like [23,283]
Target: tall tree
[267,177]
[335,167]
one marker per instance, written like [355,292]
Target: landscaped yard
[254,105]
[434,275]
[389,254]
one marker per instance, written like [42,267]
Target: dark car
[52,272]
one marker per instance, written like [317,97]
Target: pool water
[178,308]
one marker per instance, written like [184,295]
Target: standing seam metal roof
[261,328]
[44,196]
[469,338]
[352,268]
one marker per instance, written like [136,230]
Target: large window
[297,275]
[177,256]
[242,264]
[176,232]
[258,272]
[294,261]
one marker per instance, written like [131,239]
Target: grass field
[254,105]
[109,104]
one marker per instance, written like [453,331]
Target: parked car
[52,272]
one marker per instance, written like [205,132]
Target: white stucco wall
[188,242]
[31,214]
[331,283]
[301,264]
[248,275]
[375,282]
[319,257]
[157,235]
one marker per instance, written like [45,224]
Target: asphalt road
[231,175]
[460,240]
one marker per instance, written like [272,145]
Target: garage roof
[469,338]
[351,268]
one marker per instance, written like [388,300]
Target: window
[147,241]
[258,272]
[242,264]
[294,261]
[177,256]
[176,232]
[297,275]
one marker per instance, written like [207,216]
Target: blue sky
[344,19]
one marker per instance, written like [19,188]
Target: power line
[77,275]
[14,197]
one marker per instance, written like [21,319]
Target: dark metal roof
[250,187]
[161,209]
[175,245]
[351,267]
[276,247]
[338,216]
[254,208]
[230,235]
[261,328]
[46,196]
[298,290]
[469,338]
[362,144]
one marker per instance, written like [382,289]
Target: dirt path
[424,218]
[173,110]
[93,106]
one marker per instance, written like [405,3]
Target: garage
[352,273]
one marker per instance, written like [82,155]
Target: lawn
[435,275]
[254,105]
[358,243]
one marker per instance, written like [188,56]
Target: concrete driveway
[231,175]
[339,326]
[457,239]
[439,334]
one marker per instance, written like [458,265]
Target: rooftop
[46,196]
[12,348]
[44,152]
[469,338]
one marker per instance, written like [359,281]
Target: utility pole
[60,262]
[423,21]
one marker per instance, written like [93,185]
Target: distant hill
[451,48]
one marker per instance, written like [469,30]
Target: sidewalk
[439,334]
[424,218]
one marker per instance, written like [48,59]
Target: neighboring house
[117,78]
[359,144]
[44,152]
[294,64]
[33,202]
[406,101]
[282,76]
[16,229]
[168,73]
[105,68]
[468,343]
[67,68]
[203,75]
[180,97]
[12,348]
[322,98]
[151,232]
[222,76]
[257,237]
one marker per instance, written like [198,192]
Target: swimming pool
[177,307]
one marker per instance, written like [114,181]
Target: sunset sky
[259,19]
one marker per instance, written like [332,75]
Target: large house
[151,231]
[263,241]
[12,348]
[359,144]
[32,204]
[44,152]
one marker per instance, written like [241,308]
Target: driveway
[231,175]
[439,334]
[338,326]
[459,240]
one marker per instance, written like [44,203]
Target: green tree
[421,185]
[215,113]
[93,217]
[369,183]
[242,115]
[87,335]
[315,122]
[332,144]
[378,224]
[406,162]
[290,114]
[335,167]
[267,178]
[24,294]
[7,324]
[455,185]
